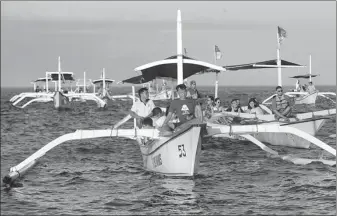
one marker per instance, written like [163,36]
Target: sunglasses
[280,90]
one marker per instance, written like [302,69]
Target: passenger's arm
[168,118]
[135,115]
[198,113]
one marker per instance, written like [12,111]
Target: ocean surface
[105,176]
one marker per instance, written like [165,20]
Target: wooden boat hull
[178,155]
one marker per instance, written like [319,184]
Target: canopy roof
[43,79]
[167,68]
[107,80]
[305,76]
[135,80]
[68,76]
[260,65]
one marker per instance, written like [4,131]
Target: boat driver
[185,108]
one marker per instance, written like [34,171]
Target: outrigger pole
[309,68]
[59,70]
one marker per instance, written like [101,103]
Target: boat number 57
[181,149]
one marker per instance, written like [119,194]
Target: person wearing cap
[192,92]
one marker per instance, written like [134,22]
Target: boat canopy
[43,79]
[67,76]
[107,80]
[305,76]
[167,68]
[135,80]
[260,65]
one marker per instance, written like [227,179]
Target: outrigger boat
[61,99]
[179,153]
[304,97]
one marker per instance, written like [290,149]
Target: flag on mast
[218,53]
[281,34]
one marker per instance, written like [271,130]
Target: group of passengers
[186,108]
[305,88]
[181,110]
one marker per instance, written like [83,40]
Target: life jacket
[281,103]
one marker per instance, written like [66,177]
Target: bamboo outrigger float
[179,153]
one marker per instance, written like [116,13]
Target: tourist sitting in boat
[208,112]
[141,108]
[193,92]
[100,92]
[185,109]
[281,105]
[217,108]
[303,88]
[311,88]
[147,123]
[158,117]
[298,86]
[253,107]
[235,106]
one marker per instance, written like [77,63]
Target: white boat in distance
[61,99]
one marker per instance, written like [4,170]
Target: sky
[120,36]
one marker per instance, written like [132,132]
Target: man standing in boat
[193,91]
[281,105]
[185,108]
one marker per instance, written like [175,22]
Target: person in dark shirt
[184,108]
[235,106]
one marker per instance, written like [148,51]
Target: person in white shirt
[158,117]
[141,108]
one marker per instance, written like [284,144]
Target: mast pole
[84,83]
[103,77]
[59,70]
[279,72]
[216,78]
[309,68]
[180,75]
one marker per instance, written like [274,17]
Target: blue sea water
[105,176]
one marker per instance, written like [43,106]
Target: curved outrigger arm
[295,160]
[20,169]
[322,94]
[32,95]
[42,99]
[87,96]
